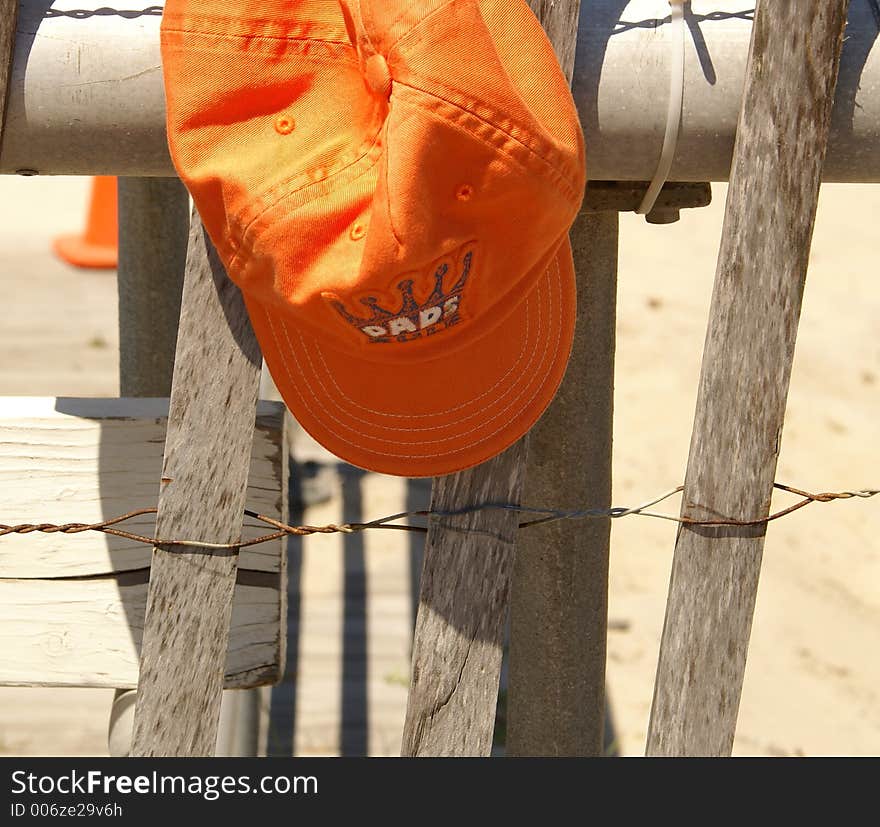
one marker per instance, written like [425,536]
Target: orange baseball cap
[391,184]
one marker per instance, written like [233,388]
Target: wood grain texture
[559,598]
[202,497]
[88,632]
[86,460]
[762,264]
[8,20]
[465,586]
[465,591]
[153,215]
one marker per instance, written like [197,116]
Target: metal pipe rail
[86,91]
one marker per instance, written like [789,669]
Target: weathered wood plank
[463,604]
[559,599]
[89,632]
[465,587]
[8,20]
[86,460]
[202,496]
[83,460]
[153,215]
[762,264]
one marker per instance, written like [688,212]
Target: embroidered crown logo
[413,320]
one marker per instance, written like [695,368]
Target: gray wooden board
[71,460]
[72,606]
[88,632]
[559,599]
[202,497]
[762,265]
[153,215]
[465,587]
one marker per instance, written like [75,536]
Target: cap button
[378,75]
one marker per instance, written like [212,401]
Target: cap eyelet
[284,125]
[358,231]
[464,192]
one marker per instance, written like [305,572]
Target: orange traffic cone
[98,246]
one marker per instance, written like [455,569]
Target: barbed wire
[656,22]
[84,14]
[547,515]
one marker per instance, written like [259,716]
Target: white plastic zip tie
[674,113]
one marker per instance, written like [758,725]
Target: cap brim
[434,417]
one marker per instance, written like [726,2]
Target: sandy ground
[813,681]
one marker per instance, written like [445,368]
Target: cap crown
[381,170]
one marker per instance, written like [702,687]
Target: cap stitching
[391,429]
[417,26]
[428,415]
[536,150]
[495,119]
[251,231]
[387,164]
[557,173]
[182,22]
[379,439]
[298,41]
[329,373]
[419,456]
[369,40]
[457,120]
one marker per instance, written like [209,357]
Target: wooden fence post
[465,590]
[762,264]
[153,215]
[559,600]
[465,586]
[153,230]
[202,497]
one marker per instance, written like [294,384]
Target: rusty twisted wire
[546,515]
